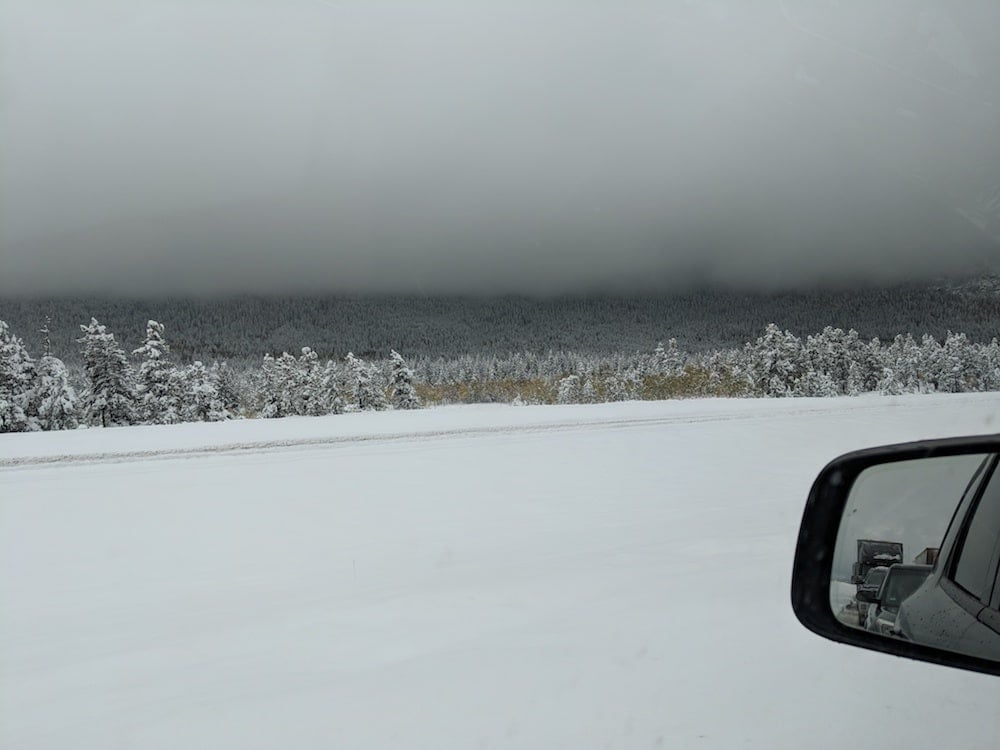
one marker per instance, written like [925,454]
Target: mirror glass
[918,551]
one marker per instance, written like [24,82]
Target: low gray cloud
[164,147]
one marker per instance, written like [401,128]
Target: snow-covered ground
[611,576]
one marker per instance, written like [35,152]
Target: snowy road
[551,577]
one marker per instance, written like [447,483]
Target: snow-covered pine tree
[306,400]
[868,355]
[230,387]
[989,366]
[569,390]
[377,399]
[17,381]
[826,353]
[46,332]
[856,377]
[614,388]
[901,358]
[890,383]
[659,359]
[623,385]
[279,377]
[157,394]
[668,361]
[201,402]
[110,397]
[289,377]
[773,362]
[930,363]
[269,390]
[327,389]
[725,371]
[816,383]
[57,404]
[364,382]
[958,371]
[402,394]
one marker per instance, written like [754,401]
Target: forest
[112,386]
[241,329]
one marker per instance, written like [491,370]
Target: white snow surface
[608,576]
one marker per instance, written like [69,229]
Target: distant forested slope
[244,328]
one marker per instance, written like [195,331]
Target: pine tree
[201,402]
[306,399]
[623,385]
[268,393]
[668,361]
[570,390]
[110,397]
[402,393]
[930,363]
[832,352]
[17,380]
[856,378]
[864,369]
[817,384]
[957,371]
[890,384]
[364,381]
[57,402]
[279,377]
[989,367]
[901,359]
[774,362]
[157,396]
[46,340]
[229,386]
[326,389]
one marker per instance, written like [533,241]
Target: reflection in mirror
[917,553]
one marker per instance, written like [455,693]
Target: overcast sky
[472,146]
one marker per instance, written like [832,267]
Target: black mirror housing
[814,555]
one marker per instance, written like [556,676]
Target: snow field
[550,577]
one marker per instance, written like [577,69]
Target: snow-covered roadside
[622,583]
[256,434]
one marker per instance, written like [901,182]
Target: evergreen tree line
[149,388]
[833,362]
[112,388]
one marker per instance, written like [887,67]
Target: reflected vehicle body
[869,588]
[958,606]
[868,591]
[875,553]
[899,583]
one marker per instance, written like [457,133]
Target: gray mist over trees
[155,147]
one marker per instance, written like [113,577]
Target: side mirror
[930,511]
